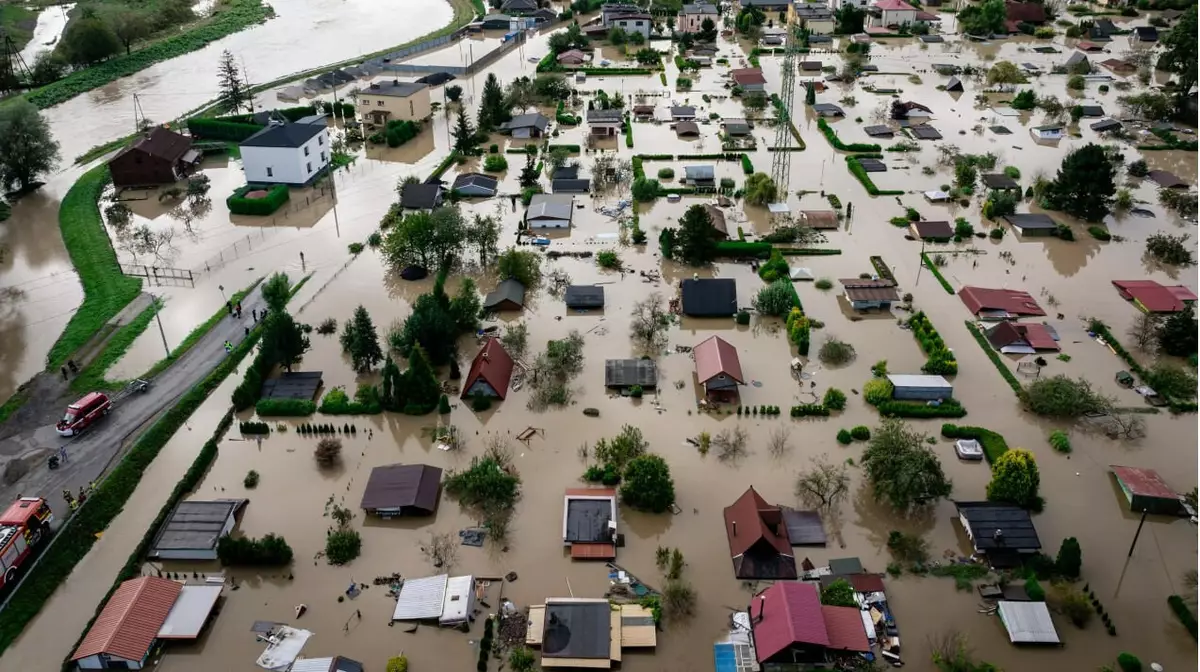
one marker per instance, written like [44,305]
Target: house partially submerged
[819,220]
[879,131]
[425,196]
[525,126]
[193,528]
[687,129]
[1152,297]
[924,132]
[292,153]
[699,176]
[442,598]
[571,57]
[333,664]
[937,232]
[1147,491]
[590,523]
[717,217]
[1167,180]
[138,615]
[864,294]
[159,156]
[1049,132]
[999,304]
[908,387]
[790,626]
[718,368]
[998,181]
[1014,338]
[566,180]
[1032,224]
[709,297]
[490,371]
[683,113]
[1002,533]
[587,632]
[584,297]
[402,490]
[758,539]
[828,110]
[750,79]
[625,373]
[550,211]
[604,123]
[475,185]
[736,127]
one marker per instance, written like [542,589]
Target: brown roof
[493,364]
[718,218]
[715,356]
[845,628]
[866,283]
[1036,335]
[933,229]
[745,76]
[131,619]
[1030,12]
[887,293]
[1117,65]
[163,143]
[1011,301]
[643,109]
[756,528]
[820,219]
[687,128]
[403,486]
[1144,482]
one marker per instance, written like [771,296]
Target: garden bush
[834,351]
[941,360]
[1183,613]
[740,249]
[277,195]
[1129,662]
[204,128]
[284,407]
[666,173]
[270,550]
[804,410]
[342,546]
[1059,441]
[832,136]
[835,399]
[877,391]
[1034,590]
[252,427]
[860,433]
[251,480]
[844,438]
[495,163]
[993,444]
[864,177]
[916,409]
[328,452]
[337,402]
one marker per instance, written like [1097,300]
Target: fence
[160,274]
[288,218]
[457,70]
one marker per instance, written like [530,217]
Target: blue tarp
[724,658]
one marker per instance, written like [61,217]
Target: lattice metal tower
[781,161]
[12,66]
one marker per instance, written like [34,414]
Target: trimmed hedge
[574,149]
[277,195]
[864,177]
[807,251]
[993,444]
[221,129]
[919,409]
[738,248]
[1005,372]
[832,136]
[936,273]
[941,360]
[1185,615]
[284,407]
[803,410]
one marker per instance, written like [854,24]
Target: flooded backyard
[227,253]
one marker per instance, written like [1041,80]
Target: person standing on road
[228,347]
[229,307]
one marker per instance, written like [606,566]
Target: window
[308,166]
[321,139]
[412,111]
[379,103]
[270,172]
[637,24]
[322,157]
[306,151]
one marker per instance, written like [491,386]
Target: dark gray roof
[421,196]
[1167,179]
[999,181]
[709,297]
[1092,110]
[683,111]
[878,131]
[1077,57]
[810,65]
[510,5]
[1000,130]
[830,108]
[603,116]
[283,135]
[931,39]
[1031,221]
[820,39]
[576,630]
[737,128]
[584,296]
[1014,524]
[807,11]
[395,88]
[699,172]
[873,165]
[1106,125]
[1146,33]
[626,372]
[507,290]
[293,385]
[570,186]
[924,132]
[532,120]
[699,9]
[569,172]
[403,486]
[477,180]
[195,526]
[804,527]
[587,520]
[844,566]
[955,84]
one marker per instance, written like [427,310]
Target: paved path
[95,452]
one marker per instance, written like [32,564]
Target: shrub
[251,479]
[742,317]
[877,391]
[666,173]
[1070,558]
[844,438]
[342,546]
[1015,479]
[834,351]
[606,474]
[1129,662]
[823,284]
[1185,615]
[835,399]
[776,298]
[443,405]
[1059,441]
[328,452]
[495,163]
[284,407]
[608,259]
[860,433]
[647,484]
[276,196]
[271,549]
[804,410]
[1099,233]
[1034,590]
[355,248]
[251,427]
[915,409]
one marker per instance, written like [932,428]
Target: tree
[1182,55]
[754,100]
[233,91]
[1005,72]
[27,148]
[775,299]
[128,25]
[1015,479]
[429,240]
[1024,100]
[617,36]
[1063,397]
[984,20]
[493,109]
[1085,184]
[520,94]
[648,322]
[284,339]
[465,307]
[484,235]
[1171,380]
[1070,558]
[360,341]
[646,484]
[465,139]
[431,325]
[697,237]
[529,174]
[88,40]
[902,470]
[1169,249]
[1177,336]
[551,87]
[1144,331]
[421,387]
[839,593]
[622,449]
[849,19]
[47,67]
[823,485]
[760,189]
[708,31]
[276,291]
[810,94]
[453,93]
[520,265]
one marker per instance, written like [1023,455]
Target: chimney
[395,82]
[735,528]
[998,537]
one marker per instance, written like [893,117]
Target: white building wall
[286,165]
[898,17]
[634,26]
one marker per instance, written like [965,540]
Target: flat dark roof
[1029,220]
[195,525]
[587,520]
[295,385]
[1014,524]
[709,297]
[627,372]
[584,296]
[577,630]
[403,486]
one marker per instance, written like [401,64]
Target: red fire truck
[93,406]
[22,527]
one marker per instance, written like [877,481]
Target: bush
[860,433]
[1062,397]
[608,259]
[249,552]
[775,299]
[1099,233]
[1034,590]
[740,249]
[832,136]
[342,546]
[355,248]
[877,391]
[1070,559]
[844,438]
[1059,441]
[916,409]
[606,474]
[742,318]
[834,352]
[251,427]
[284,407]
[443,405]
[805,410]
[495,163]
[835,399]
[1015,479]
[276,196]
[747,166]
[647,484]
[1129,662]
[1185,615]
[328,452]
[823,284]
[251,479]
[666,173]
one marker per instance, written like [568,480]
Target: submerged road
[91,455]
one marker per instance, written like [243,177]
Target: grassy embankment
[18,23]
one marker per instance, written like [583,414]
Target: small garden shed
[920,388]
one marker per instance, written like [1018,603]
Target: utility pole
[249,93]
[920,264]
[158,319]
[139,116]
[1136,535]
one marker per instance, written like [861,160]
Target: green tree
[465,307]
[1181,55]
[421,387]
[696,240]
[493,109]
[617,36]
[429,240]
[775,299]
[1086,183]
[431,325]
[1070,558]
[47,67]
[88,40]
[1177,335]
[276,291]
[984,20]
[1024,100]
[646,484]
[901,468]
[1015,479]
[284,339]
[708,31]
[520,265]
[484,235]
[27,148]
[129,25]
[849,19]
[234,94]
[754,100]
[360,341]
[1005,72]
[465,138]
[453,93]
[810,94]
[1062,397]
[760,189]
[839,593]
[622,449]
[529,174]
[520,94]
[392,384]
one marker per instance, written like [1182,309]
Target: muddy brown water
[1080,498]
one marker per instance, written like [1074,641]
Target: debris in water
[510,577]
[592,412]
[472,537]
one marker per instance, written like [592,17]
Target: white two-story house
[292,153]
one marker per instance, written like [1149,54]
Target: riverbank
[18,23]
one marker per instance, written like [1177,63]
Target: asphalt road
[94,453]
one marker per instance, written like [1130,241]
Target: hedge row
[221,129]
[992,443]
[936,273]
[919,409]
[1184,614]
[941,360]
[804,410]
[832,136]
[284,407]
[1101,329]
[738,248]
[574,149]
[1007,373]
[277,195]
[858,171]
[807,251]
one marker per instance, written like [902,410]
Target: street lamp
[222,288]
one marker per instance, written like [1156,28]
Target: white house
[629,18]
[549,211]
[286,153]
[893,13]
[1050,132]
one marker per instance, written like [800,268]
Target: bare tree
[609,173]
[142,240]
[730,443]
[779,443]
[516,340]
[649,322]
[1126,426]
[557,281]
[498,449]
[823,485]
[441,550]
[1144,332]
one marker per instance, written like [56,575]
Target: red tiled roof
[585,551]
[494,365]
[786,613]
[163,143]
[1012,301]
[715,356]
[845,628]
[1036,335]
[759,521]
[1029,12]
[1144,482]
[745,76]
[865,583]
[1153,297]
[131,619]
[1089,46]
[894,5]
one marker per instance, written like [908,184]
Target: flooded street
[228,253]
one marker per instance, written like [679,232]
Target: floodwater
[1081,500]
[50,24]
